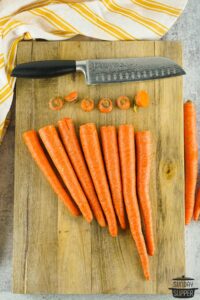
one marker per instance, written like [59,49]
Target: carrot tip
[113,234]
[195,218]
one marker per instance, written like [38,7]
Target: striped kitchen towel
[59,20]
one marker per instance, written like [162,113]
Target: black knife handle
[44,69]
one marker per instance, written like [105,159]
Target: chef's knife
[99,71]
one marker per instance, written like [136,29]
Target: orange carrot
[33,144]
[87,104]
[105,105]
[123,102]
[191,158]
[143,162]
[92,151]
[142,99]
[56,103]
[72,146]
[71,97]
[127,160]
[61,161]
[111,157]
[197,206]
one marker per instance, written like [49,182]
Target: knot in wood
[169,169]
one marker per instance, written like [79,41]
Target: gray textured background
[187,29]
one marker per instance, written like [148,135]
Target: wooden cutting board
[56,253]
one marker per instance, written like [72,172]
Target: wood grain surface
[56,253]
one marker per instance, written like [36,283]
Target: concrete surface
[187,29]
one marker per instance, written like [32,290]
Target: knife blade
[99,71]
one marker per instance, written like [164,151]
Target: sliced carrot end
[87,104]
[123,102]
[71,97]
[105,105]
[56,103]
[142,99]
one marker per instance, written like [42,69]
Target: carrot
[111,157]
[71,97]
[105,105]
[143,159]
[123,102]
[87,104]
[127,160]
[191,158]
[72,146]
[92,151]
[61,161]
[142,99]
[197,206]
[33,144]
[56,103]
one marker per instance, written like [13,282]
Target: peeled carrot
[71,97]
[143,162]
[56,103]
[111,157]
[123,102]
[197,206]
[92,151]
[61,161]
[33,144]
[142,99]
[127,160]
[72,146]
[105,105]
[191,158]
[87,104]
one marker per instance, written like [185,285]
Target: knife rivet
[109,77]
[138,74]
[150,73]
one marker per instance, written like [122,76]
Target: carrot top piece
[191,158]
[123,102]
[143,162]
[111,157]
[61,161]
[56,103]
[71,97]
[72,146]
[127,160]
[142,99]
[105,105]
[34,146]
[87,104]
[92,151]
